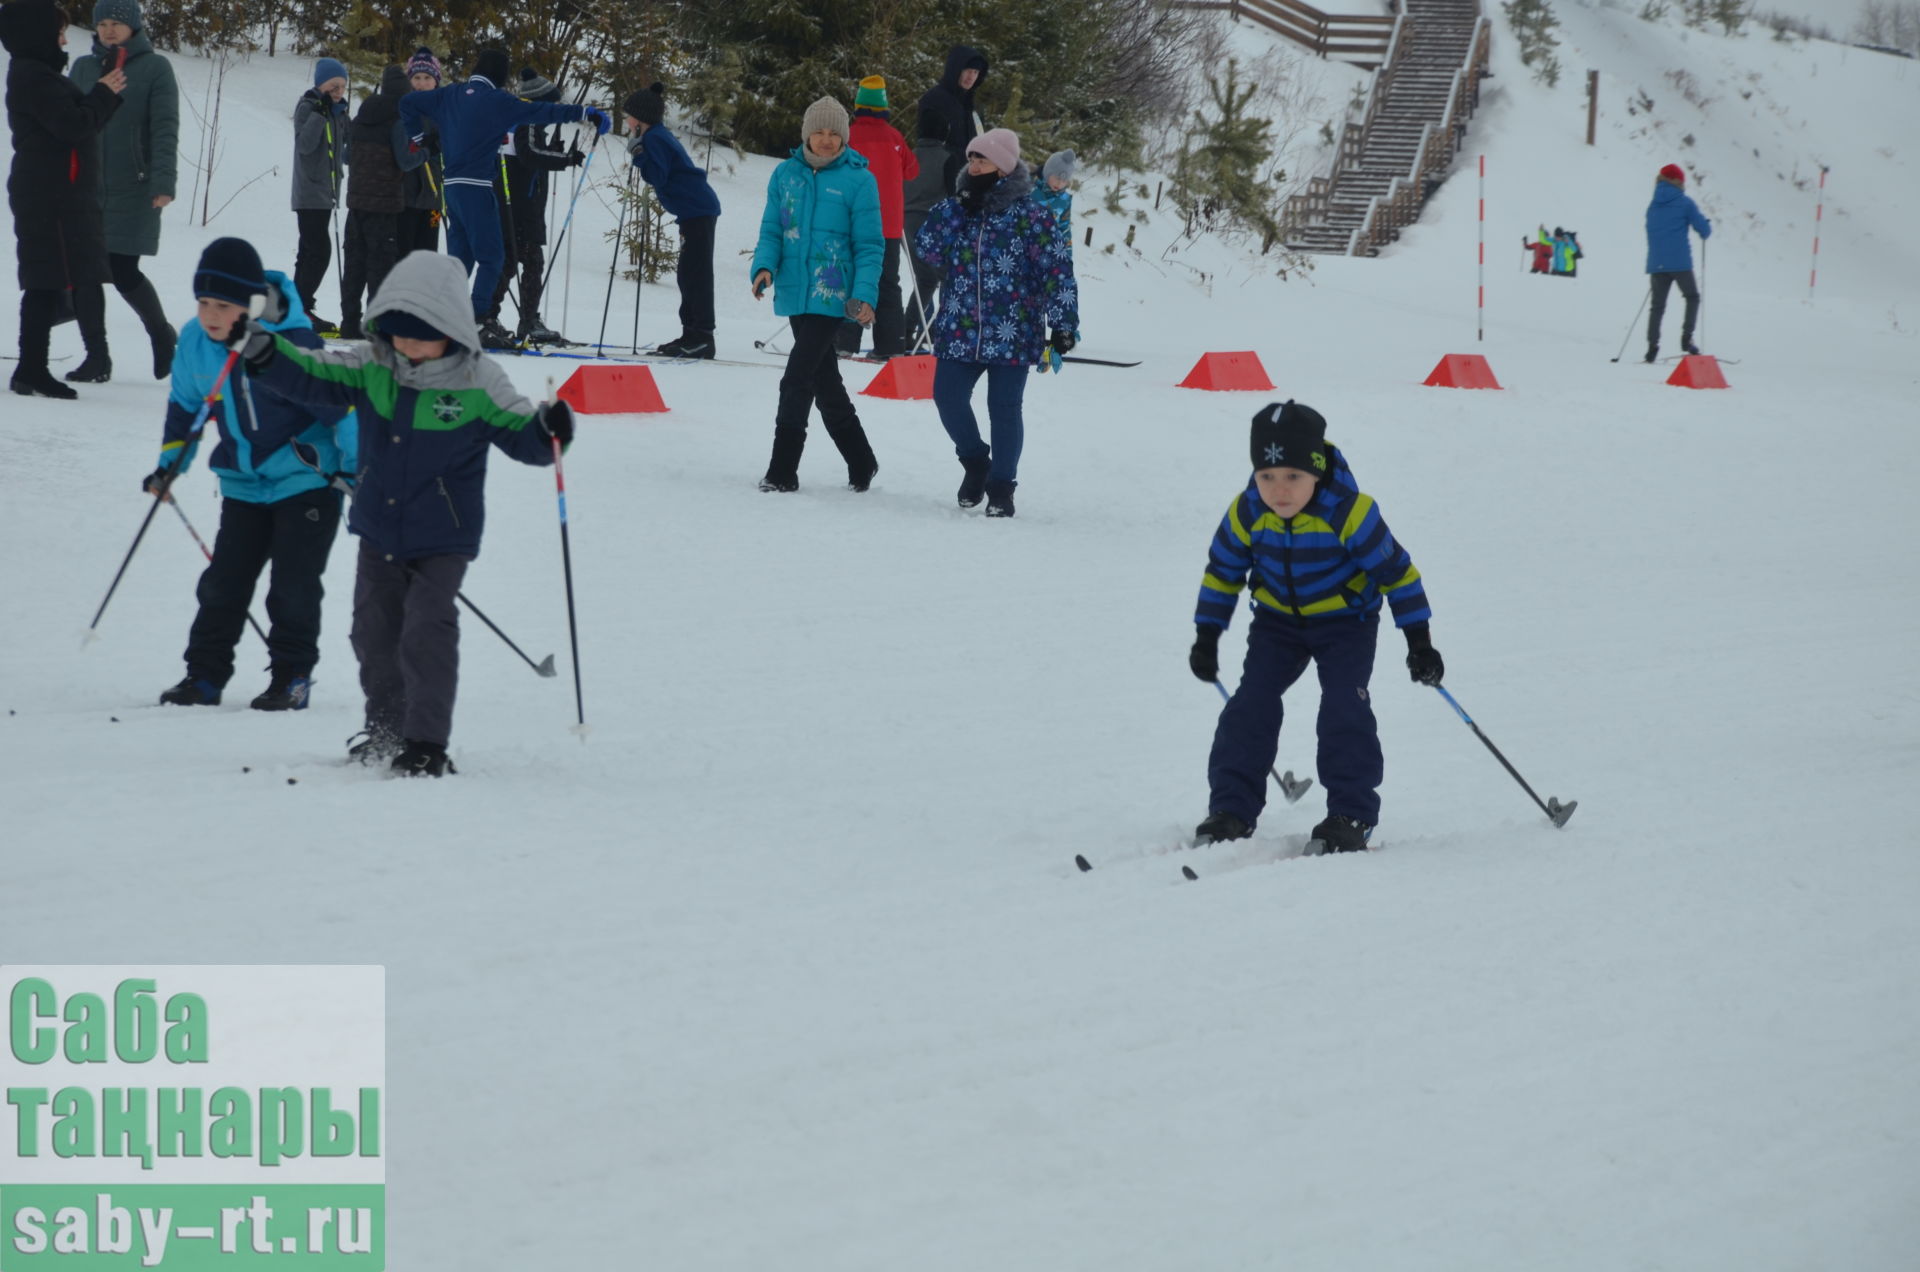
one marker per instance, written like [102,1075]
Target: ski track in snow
[789,965]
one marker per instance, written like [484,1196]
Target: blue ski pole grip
[1457,708]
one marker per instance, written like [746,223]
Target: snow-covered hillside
[788,964]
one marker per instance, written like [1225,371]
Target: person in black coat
[946,110]
[54,188]
[378,155]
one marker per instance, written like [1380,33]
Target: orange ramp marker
[905,379]
[612,390]
[1462,371]
[1698,371]
[1227,371]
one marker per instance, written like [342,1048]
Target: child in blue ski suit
[473,118]
[1321,560]
[681,186]
[1670,255]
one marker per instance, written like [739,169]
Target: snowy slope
[788,965]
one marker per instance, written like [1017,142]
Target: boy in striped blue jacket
[1321,560]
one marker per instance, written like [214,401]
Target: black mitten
[1204,657]
[557,418]
[1423,660]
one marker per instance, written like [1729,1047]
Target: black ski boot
[1340,833]
[1686,342]
[192,692]
[494,336]
[973,486]
[1000,498]
[95,368]
[375,744]
[688,346]
[1218,828]
[423,759]
[287,691]
[325,328]
[537,332]
[1653,353]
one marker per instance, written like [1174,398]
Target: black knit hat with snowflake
[1289,435]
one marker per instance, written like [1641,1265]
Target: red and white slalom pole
[1813,275]
[1480,332]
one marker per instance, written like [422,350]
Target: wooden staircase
[1392,157]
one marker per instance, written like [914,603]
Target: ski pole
[1700,319]
[1290,786]
[543,668]
[773,338]
[578,186]
[1635,323]
[640,271]
[1556,812]
[208,553]
[166,480]
[566,561]
[619,241]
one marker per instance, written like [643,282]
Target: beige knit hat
[825,115]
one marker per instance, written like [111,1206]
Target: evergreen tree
[1533,25]
[1217,177]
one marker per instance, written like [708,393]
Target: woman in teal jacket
[820,249]
[139,162]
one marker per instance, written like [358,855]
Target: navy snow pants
[473,239]
[1248,735]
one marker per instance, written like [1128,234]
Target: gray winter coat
[139,151]
[319,152]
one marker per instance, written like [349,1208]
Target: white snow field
[788,965]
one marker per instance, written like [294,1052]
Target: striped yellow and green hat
[872,93]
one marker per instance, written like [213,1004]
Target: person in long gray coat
[139,163]
[319,172]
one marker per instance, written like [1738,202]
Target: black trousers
[371,249]
[813,376]
[889,317]
[526,257]
[406,634]
[419,230]
[137,290]
[694,274]
[314,254]
[1689,290]
[296,535]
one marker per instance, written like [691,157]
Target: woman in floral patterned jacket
[1008,278]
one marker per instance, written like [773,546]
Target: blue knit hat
[328,68]
[230,270]
[124,11]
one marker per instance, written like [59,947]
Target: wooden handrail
[1351,36]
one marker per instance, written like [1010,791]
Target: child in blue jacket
[474,118]
[681,186]
[1321,560]
[276,506]
[1670,254]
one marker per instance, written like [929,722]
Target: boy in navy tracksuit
[275,505]
[431,404]
[474,119]
[681,186]
[1322,559]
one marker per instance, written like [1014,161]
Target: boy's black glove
[155,482]
[254,342]
[575,157]
[306,454]
[1063,342]
[1423,660]
[1204,657]
[557,418]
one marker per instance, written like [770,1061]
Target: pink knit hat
[999,146]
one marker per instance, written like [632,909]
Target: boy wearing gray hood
[430,404]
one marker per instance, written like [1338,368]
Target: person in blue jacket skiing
[821,248]
[474,117]
[681,186]
[279,500]
[1670,254]
[1321,561]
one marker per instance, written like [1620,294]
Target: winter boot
[1686,342]
[535,331]
[192,692]
[287,691]
[95,368]
[494,336]
[783,467]
[860,474]
[687,346]
[350,328]
[423,759]
[39,380]
[1653,353]
[375,744]
[325,328]
[164,341]
[973,486]
[1218,828]
[1341,833]
[1000,498]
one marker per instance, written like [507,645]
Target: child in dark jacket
[473,119]
[380,155]
[430,405]
[275,505]
[681,186]
[1321,559]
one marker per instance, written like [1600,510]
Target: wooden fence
[1356,38]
